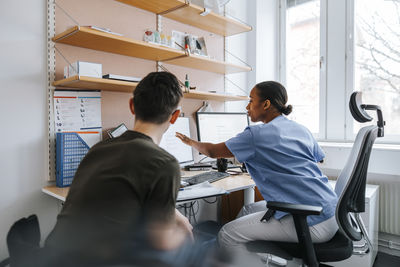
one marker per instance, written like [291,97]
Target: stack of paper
[197,191]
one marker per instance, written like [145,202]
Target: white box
[371,221]
[66,74]
[82,68]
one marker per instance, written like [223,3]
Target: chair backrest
[23,241]
[350,185]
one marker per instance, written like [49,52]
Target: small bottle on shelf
[187,86]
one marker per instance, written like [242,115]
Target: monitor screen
[171,143]
[217,127]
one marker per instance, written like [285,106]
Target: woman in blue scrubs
[281,156]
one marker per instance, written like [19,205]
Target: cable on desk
[203,159]
[189,210]
[193,212]
[210,202]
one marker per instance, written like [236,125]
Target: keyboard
[210,176]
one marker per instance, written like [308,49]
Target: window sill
[377,146]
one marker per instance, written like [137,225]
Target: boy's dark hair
[276,93]
[156,97]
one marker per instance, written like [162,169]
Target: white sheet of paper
[201,190]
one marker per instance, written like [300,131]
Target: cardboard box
[82,68]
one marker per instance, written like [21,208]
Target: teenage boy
[121,203]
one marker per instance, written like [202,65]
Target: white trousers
[247,227]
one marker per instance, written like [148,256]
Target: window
[300,63]
[377,59]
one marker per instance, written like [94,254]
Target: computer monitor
[171,143]
[217,127]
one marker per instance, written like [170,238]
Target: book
[121,78]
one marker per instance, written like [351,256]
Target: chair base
[337,249]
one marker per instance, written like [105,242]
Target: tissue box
[82,68]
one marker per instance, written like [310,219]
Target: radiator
[389,202]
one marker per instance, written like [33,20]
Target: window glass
[377,58]
[302,61]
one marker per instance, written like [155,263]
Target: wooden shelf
[206,64]
[57,192]
[97,40]
[84,83]
[107,42]
[213,96]
[90,83]
[190,14]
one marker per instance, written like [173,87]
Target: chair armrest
[294,209]
[300,213]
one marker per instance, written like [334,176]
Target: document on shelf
[201,190]
[80,112]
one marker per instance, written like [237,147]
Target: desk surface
[230,184]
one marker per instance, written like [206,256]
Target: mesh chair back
[350,186]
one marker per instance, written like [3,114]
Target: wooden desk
[230,184]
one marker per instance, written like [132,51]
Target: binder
[70,150]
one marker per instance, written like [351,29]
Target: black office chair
[350,189]
[23,240]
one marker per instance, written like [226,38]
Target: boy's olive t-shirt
[120,186]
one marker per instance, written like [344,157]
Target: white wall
[23,118]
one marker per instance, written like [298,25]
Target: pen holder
[222,164]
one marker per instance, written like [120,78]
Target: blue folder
[70,150]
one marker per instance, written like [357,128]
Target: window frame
[350,82]
[321,135]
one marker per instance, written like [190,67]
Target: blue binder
[70,150]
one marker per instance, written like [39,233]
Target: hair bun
[287,110]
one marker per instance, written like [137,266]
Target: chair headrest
[356,108]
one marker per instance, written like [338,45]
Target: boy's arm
[169,235]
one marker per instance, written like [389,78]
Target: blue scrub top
[281,156]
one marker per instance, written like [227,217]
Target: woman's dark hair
[276,93]
[156,97]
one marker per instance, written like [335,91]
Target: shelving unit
[102,41]
[188,13]
[90,83]
[85,83]
[87,37]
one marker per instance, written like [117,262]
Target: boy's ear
[267,104]
[175,116]
[131,106]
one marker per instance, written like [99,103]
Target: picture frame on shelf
[178,40]
[201,47]
[196,45]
